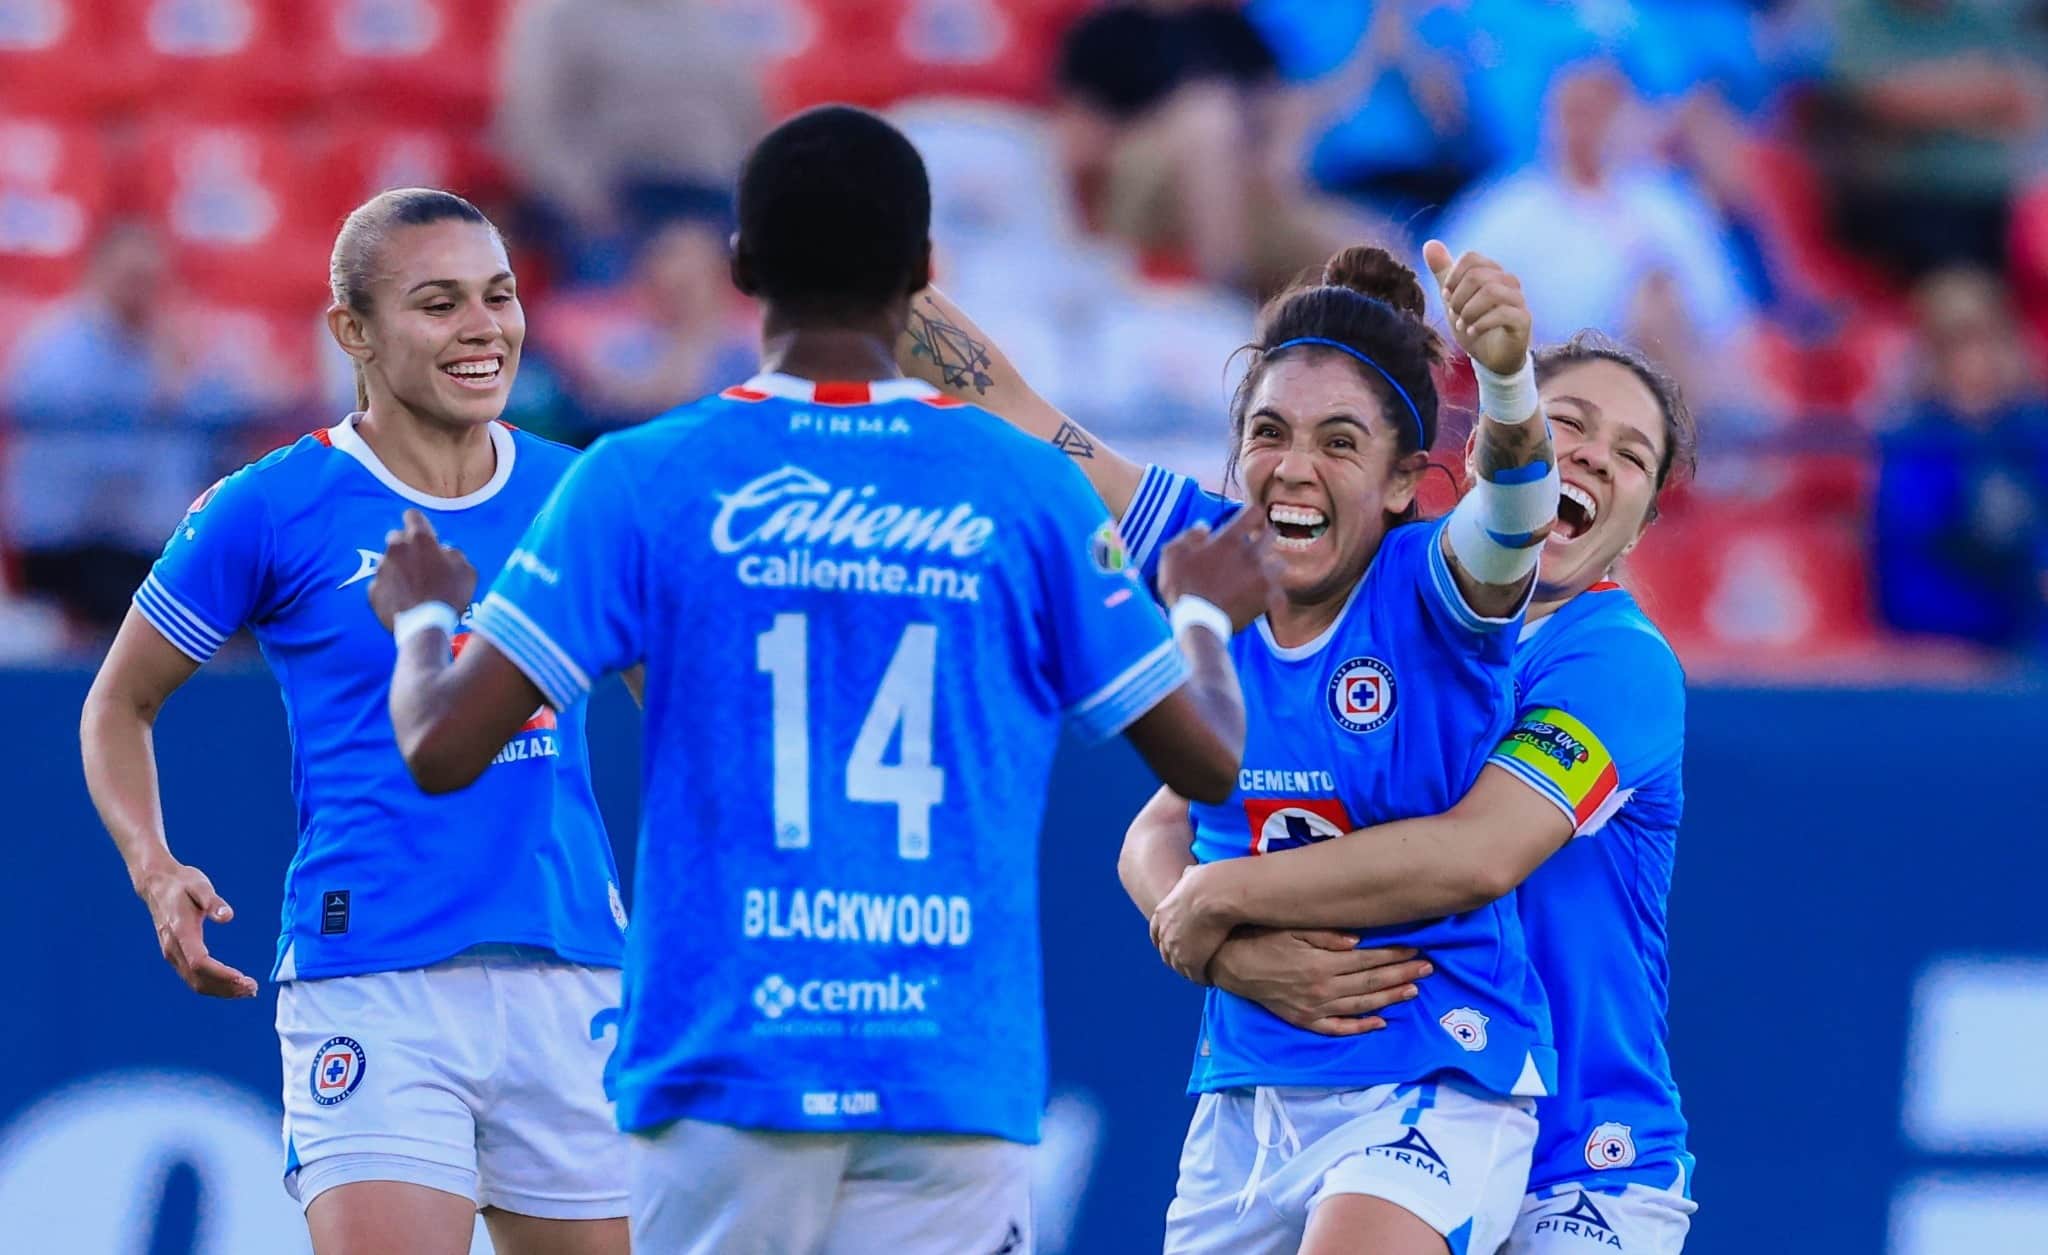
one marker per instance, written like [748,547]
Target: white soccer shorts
[482,1076]
[710,1189]
[1257,1162]
[1587,1218]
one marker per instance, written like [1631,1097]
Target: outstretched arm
[1496,532]
[116,738]
[943,347]
[451,714]
[1410,869]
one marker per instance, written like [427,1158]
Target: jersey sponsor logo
[876,919]
[1611,1145]
[526,560]
[798,568]
[830,1103]
[1290,823]
[1413,1149]
[876,1006]
[1466,1027]
[1362,695]
[338,1067]
[1581,1219]
[1106,549]
[809,423]
[1251,780]
[367,562]
[792,506]
[1563,751]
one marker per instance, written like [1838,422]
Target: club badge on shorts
[338,1068]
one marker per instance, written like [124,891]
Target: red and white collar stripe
[859,392]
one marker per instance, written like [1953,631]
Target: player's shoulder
[1607,635]
[283,472]
[542,452]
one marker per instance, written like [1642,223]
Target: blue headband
[1421,436]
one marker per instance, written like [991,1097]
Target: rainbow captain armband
[1560,758]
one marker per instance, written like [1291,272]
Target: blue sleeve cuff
[1452,598]
[532,650]
[180,624]
[1151,505]
[1121,702]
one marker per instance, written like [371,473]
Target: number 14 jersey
[865,612]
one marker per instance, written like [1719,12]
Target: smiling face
[1321,459]
[1609,434]
[444,329]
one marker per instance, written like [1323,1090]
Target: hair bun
[1377,273]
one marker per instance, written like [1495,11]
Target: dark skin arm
[451,715]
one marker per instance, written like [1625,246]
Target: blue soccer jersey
[1387,715]
[864,613]
[1601,732]
[385,877]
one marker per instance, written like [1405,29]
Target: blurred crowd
[1830,220]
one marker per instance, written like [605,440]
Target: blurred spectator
[1962,500]
[620,114]
[1168,125]
[1932,101]
[664,337]
[95,475]
[1604,237]
[1382,114]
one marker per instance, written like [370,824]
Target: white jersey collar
[344,436]
[859,392]
[1314,646]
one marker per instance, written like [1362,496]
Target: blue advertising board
[1860,984]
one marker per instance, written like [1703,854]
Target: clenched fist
[417,569]
[1489,317]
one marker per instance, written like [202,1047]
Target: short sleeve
[214,574]
[1111,655]
[1164,506]
[1598,723]
[568,607]
[1419,547]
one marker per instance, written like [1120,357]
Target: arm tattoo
[963,361]
[1072,441]
[1508,446]
[1517,453]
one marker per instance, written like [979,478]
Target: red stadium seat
[2030,261]
[54,192]
[215,58]
[55,57]
[18,312]
[362,161]
[1741,589]
[877,52]
[262,358]
[420,60]
[232,201]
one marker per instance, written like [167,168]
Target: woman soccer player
[1596,749]
[442,959]
[1374,686]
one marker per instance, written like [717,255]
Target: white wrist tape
[1508,399]
[427,616]
[1192,611]
[1492,528]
